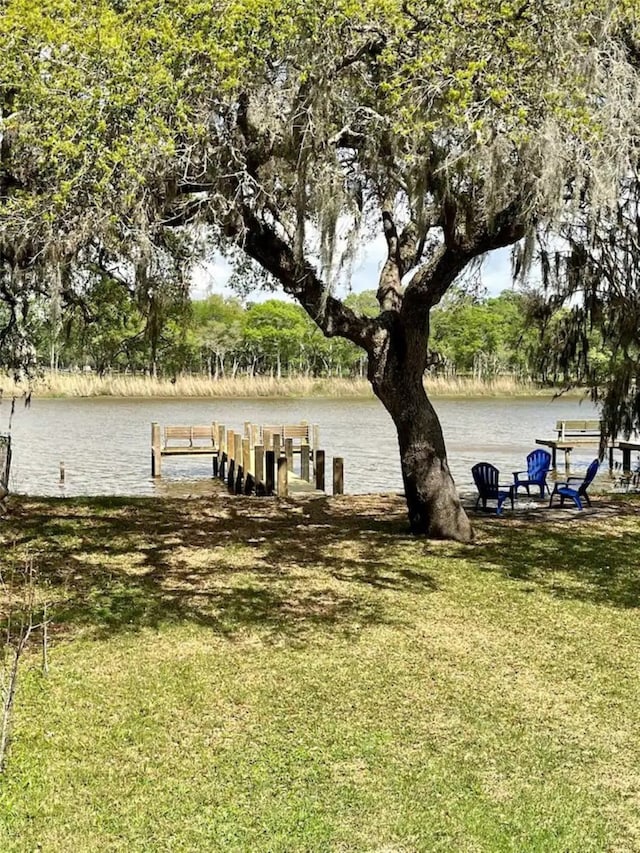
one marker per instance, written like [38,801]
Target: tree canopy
[115,113]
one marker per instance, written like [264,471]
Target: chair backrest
[592,470]
[538,463]
[485,476]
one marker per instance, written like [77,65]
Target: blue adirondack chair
[538,464]
[486,478]
[575,488]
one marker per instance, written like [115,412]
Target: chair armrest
[515,473]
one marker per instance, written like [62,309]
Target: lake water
[105,443]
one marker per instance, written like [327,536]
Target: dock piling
[338,475]
[304,462]
[319,470]
[283,477]
[258,462]
[246,455]
[270,472]
[156,456]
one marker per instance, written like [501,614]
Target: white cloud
[211,278]
[496,271]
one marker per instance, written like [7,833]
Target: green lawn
[236,675]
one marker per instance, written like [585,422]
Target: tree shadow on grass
[287,569]
[588,557]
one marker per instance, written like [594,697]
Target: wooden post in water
[276,444]
[258,463]
[319,469]
[231,445]
[338,475]
[283,477]
[156,456]
[270,472]
[247,429]
[237,448]
[288,452]
[255,435]
[315,437]
[62,473]
[267,439]
[304,462]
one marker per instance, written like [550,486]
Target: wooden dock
[587,433]
[280,460]
[572,434]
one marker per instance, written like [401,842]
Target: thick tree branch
[372,47]
[389,293]
[411,247]
[299,279]
[433,279]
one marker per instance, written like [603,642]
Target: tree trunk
[396,375]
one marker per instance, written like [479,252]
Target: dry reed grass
[467,386]
[91,385]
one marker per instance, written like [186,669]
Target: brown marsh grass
[122,385]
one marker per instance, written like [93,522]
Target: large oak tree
[290,131]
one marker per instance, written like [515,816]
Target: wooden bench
[181,441]
[572,434]
[300,435]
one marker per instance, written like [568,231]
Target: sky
[495,274]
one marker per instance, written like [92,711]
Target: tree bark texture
[396,374]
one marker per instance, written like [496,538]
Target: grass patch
[302,676]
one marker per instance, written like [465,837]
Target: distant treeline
[221,337]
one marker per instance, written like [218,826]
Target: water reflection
[105,443]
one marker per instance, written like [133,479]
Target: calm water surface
[105,443]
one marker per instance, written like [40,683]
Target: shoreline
[66,385]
